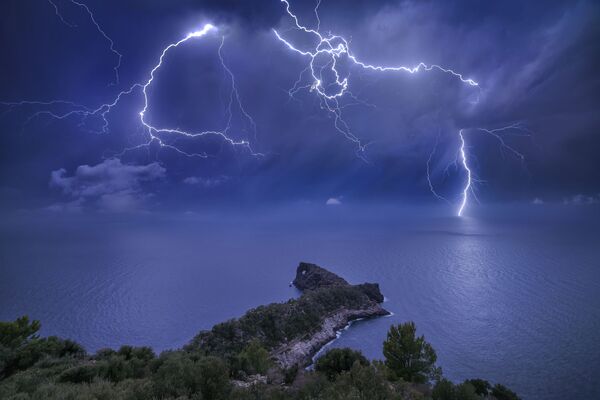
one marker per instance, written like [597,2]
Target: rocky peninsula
[259,356]
[294,331]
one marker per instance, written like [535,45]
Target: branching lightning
[429,182]
[336,47]
[323,74]
[333,49]
[98,28]
[154,131]
[465,164]
[156,134]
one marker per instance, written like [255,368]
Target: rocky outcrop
[301,351]
[294,331]
[311,277]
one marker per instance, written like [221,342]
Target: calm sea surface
[511,296]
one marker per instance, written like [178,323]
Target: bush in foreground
[407,356]
[52,368]
[336,361]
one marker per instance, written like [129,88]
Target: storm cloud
[110,185]
[536,63]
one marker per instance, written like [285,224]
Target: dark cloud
[536,61]
[110,185]
[210,182]
[582,200]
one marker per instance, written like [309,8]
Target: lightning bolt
[465,164]
[98,28]
[463,159]
[156,134]
[334,48]
[154,131]
[324,60]
[431,187]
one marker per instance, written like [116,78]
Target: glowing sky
[535,63]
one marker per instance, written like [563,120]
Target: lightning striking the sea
[465,164]
[324,74]
[335,49]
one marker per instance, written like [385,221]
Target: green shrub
[289,374]
[179,375]
[501,392]
[336,361]
[482,387]
[21,347]
[35,368]
[409,357]
[254,359]
[361,382]
[446,390]
[80,374]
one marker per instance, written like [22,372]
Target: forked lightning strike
[98,28]
[153,130]
[465,164]
[155,133]
[334,48]
[464,161]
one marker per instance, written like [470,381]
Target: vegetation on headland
[32,367]
[240,359]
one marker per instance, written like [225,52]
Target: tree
[443,390]
[15,334]
[407,356]
[361,382]
[446,390]
[336,361]
[501,392]
[254,359]
[21,347]
[214,378]
[482,387]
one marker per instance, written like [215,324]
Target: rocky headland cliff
[258,356]
[294,331]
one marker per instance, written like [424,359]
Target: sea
[510,294]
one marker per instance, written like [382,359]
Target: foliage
[361,382]
[53,368]
[14,334]
[277,323]
[501,392]
[21,347]
[446,390]
[336,361]
[113,366]
[254,359]
[180,375]
[482,387]
[409,357]
[289,374]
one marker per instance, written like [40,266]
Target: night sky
[536,62]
